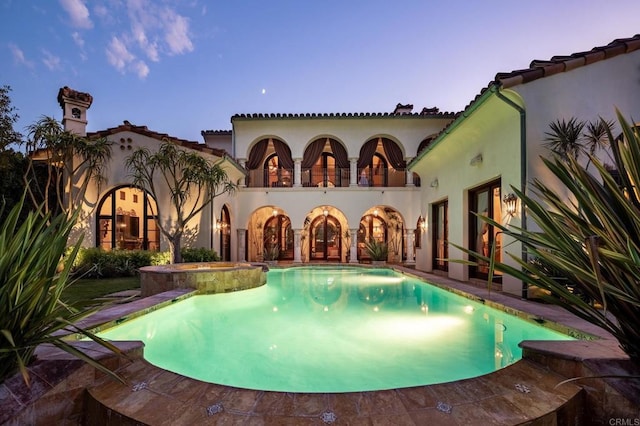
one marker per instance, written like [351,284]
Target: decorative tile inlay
[522,388]
[139,386]
[444,407]
[329,417]
[214,409]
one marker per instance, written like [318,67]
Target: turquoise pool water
[340,329]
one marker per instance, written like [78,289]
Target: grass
[89,289]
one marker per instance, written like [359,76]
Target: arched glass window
[274,174]
[324,172]
[126,220]
[376,172]
[225,234]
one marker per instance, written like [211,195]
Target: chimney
[403,109]
[74,106]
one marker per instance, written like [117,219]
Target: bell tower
[74,106]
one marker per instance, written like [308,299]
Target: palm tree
[565,138]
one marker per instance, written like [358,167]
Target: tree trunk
[174,248]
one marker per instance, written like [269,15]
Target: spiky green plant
[591,240]
[33,274]
[377,250]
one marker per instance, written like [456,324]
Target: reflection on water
[331,330]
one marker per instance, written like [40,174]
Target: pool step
[523,393]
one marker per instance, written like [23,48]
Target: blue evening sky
[182,66]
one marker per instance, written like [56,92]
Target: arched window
[225,234]
[325,163]
[127,221]
[274,174]
[376,172]
[264,152]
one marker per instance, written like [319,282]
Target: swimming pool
[341,329]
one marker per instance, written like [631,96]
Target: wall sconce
[274,213]
[476,160]
[375,212]
[218,226]
[325,212]
[423,225]
[434,183]
[510,203]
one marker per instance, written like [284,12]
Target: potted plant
[271,254]
[377,251]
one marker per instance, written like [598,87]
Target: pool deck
[522,393]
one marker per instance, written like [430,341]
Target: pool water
[341,329]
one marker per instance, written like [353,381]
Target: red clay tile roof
[557,64]
[545,68]
[143,130]
[426,112]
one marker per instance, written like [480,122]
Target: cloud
[118,55]
[18,56]
[78,13]
[176,32]
[141,69]
[153,31]
[77,39]
[123,60]
[50,60]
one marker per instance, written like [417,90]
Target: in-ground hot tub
[206,277]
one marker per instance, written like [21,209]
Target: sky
[183,66]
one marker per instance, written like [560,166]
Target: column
[353,171]
[353,254]
[241,244]
[297,251]
[409,238]
[243,181]
[409,178]
[297,172]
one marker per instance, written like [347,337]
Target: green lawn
[89,289]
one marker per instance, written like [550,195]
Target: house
[315,187]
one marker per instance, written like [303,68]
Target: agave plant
[377,250]
[591,243]
[33,274]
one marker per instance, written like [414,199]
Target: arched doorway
[371,227]
[225,234]
[278,235]
[126,220]
[325,242]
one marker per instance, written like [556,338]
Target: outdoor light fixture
[476,160]
[325,212]
[423,225]
[511,203]
[218,226]
[375,212]
[275,212]
[434,183]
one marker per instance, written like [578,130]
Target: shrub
[33,274]
[377,250]
[98,263]
[199,254]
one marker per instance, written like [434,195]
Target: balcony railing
[338,177]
